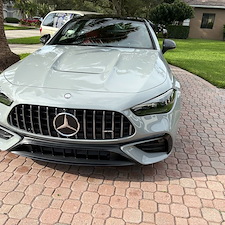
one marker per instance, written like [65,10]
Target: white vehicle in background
[56,19]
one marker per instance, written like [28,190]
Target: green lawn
[27,40]
[205,58]
[24,55]
[9,27]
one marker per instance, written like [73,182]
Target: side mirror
[44,39]
[167,45]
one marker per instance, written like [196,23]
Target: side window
[208,20]
[48,21]
[61,18]
[64,18]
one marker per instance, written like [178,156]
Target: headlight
[5,100]
[161,104]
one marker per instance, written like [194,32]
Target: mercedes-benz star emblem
[66,124]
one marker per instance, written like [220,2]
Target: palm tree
[7,57]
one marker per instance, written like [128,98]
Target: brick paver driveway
[187,188]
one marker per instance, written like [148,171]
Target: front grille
[94,124]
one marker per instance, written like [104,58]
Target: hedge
[11,20]
[178,31]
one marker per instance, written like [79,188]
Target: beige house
[208,20]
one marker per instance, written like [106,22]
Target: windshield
[104,32]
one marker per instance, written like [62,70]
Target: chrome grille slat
[75,114]
[24,124]
[31,120]
[11,118]
[39,119]
[84,124]
[121,126]
[48,125]
[56,112]
[94,124]
[17,119]
[103,125]
[113,124]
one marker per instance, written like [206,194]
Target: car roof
[73,11]
[108,16]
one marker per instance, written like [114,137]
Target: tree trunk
[7,58]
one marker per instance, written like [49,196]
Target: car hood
[85,68]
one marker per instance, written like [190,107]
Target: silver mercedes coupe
[99,92]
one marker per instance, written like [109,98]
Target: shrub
[178,32]
[11,20]
[166,13]
[30,22]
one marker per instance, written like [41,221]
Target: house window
[208,20]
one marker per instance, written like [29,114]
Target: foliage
[27,40]
[42,9]
[24,6]
[179,32]
[30,8]
[166,13]
[8,1]
[138,8]
[60,4]
[204,58]
[182,11]
[162,14]
[169,1]
[27,22]
[11,20]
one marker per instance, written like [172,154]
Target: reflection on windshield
[104,32]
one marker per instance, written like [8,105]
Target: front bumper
[143,152]
[152,142]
